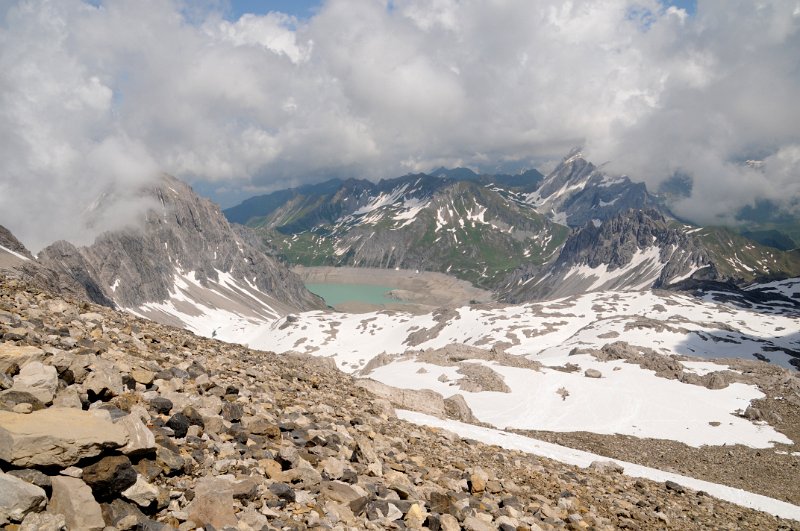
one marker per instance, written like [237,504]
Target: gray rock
[141,493]
[12,356]
[43,522]
[592,373]
[73,498]
[140,439]
[56,436]
[18,498]
[213,503]
[37,379]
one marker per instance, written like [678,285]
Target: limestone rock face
[73,498]
[422,400]
[18,498]
[56,436]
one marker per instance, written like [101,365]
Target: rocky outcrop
[577,193]
[637,249]
[182,234]
[278,442]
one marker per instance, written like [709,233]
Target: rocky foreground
[113,422]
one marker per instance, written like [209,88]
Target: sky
[241,97]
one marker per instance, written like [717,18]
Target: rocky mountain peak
[184,240]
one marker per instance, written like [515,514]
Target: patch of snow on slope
[644,268]
[9,251]
[382,200]
[583,459]
[409,210]
[627,400]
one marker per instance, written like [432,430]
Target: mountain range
[527,237]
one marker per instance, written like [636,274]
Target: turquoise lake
[335,294]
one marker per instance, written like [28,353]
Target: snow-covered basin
[627,399]
[584,459]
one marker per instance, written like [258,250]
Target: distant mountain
[577,192]
[185,263]
[643,249]
[419,221]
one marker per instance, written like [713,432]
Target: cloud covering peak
[105,96]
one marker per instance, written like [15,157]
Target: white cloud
[97,97]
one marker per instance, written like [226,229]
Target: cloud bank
[103,95]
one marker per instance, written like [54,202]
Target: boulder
[593,373]
[213,503]
[12,357]
[73,498]
[109,476]
[18,498]
[57,436]
[37,379]
[422,400]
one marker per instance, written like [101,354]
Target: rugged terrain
[110,420]
[182,262]
[643,249]
[527,237]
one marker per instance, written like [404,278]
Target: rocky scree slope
[108,421]
[182,236]
[643,249]
[422,222]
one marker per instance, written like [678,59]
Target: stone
[11,398]
[32,476]
[448,522]
[68,398]
[104,382]
[282,491]
[593,373]
[12,357]
[338,491]
[213,503]
[232,412]
[141,492]
[18,498]
[143,376]
[73,498]
[109,476]
[43,522]
[675,487]
[607,466]
[179,423]
[37,379]
[473,523]
[140,439]
[415,516]
[161,405]
[57,436]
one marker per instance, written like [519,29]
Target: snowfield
[627,399]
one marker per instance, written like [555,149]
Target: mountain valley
[556,316]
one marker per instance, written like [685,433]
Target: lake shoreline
[416,292]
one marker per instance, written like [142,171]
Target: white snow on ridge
[225,309]
[584,459]
[645,265]
[9,251]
